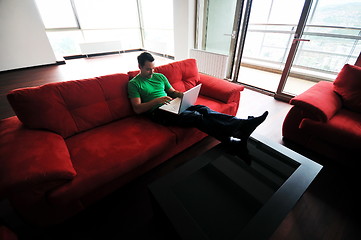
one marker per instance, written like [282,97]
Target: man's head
[146,65]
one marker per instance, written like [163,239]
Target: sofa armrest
[220,89]
[31,158]
[320,100]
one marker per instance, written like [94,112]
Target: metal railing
[330,47]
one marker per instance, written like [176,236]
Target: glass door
[219,25]
[268,27]
[327,37]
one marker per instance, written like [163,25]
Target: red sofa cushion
[42,107]
[84,100]
[132,74]
[115,89]
[344,129]
[182,75]
[320,100]
[30,158]
[230,108]
[221,90]
[74,106]
[348,85]
[103,154]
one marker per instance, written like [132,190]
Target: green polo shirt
[148,89]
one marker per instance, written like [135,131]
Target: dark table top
[221,196]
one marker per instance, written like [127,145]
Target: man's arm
[174,93]
[140,107]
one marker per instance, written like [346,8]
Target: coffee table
[220,196]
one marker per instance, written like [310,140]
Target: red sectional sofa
[74,142]
[327,117]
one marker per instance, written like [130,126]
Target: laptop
[178,105]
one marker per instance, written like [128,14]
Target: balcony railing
[329,48]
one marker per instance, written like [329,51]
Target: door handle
[300,40]
[233,34]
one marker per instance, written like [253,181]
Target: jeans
[215,124]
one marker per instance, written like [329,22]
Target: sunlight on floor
[104,65]
[269,81]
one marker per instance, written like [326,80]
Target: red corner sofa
[327,117]
[74,142]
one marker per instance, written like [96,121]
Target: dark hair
[143,57]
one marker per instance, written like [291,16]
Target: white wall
[23,41]
[184,12]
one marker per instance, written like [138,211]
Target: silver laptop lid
[189,98]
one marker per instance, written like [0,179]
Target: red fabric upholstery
[121,151]
[182,75]
[7,234]
[116,95]
[48,178]
[84,99]
[132,74]
[185,138]
[320,100]
[42,108]
[323,122]
[39,157]
[217,105]
[345,126]
[224,91]
[335,139]
[290,127]
[348,85]
[72,106]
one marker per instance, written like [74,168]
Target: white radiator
[213,64]
[100,47]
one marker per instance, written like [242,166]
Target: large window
[71,23]
[107,14]
[334,31]
[57,14]
[62,27]
[157,26]
[110,20]
[282,45]
[270,30]
[333,28]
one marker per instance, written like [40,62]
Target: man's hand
[174,93]
[163,100]
[140,107]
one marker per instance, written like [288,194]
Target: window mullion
[141,24]
[75,14]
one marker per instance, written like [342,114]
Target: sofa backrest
[348,85]
[182,75]
[73,106]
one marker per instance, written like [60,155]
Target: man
[148,91]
